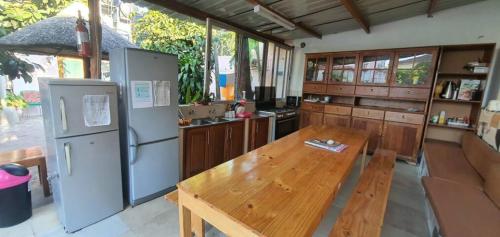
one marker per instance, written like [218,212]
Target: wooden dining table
[281,189]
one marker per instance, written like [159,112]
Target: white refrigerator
[83,149]
[149,128]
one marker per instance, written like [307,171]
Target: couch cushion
[462,210]
[492,184]
[479,154]
[446,160]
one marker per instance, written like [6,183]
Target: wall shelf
[443,75]
[451,127]
[456,101]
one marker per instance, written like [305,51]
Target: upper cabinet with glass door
[414,67]
[343,69]
[316,68]
[375,68]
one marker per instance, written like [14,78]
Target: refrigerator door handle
[64,120]
[67,152]
[133,145]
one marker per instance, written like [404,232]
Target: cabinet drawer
[411,93]
[340,110]
[313,107]
[404,117]
[314,88]
[341,90]
[372,90]
[368,113]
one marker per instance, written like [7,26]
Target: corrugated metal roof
[324,16]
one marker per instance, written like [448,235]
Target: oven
[286,125]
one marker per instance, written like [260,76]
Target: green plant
[160,32]
[15,101]
[15,67]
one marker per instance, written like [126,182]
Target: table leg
[184,221]
[363,158]
[42,172]
[197,225]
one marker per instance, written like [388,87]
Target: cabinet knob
[409,92]
[371,89]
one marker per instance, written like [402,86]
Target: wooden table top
[22,154]
[283,188]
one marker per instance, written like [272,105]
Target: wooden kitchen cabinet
[337,120]
[316,69]
[343,68]
[403,138]
[217,143]
[373,126]
[375,67]
[235,140]
[196,151]
[414,67]
[310,118]
[208,146]
[258,134]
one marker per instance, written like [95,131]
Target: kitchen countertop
[229,120]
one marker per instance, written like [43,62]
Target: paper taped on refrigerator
[96,110]
[161,93]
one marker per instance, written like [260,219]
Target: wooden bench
[29,157]
[363,215]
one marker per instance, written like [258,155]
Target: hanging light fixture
[272,16]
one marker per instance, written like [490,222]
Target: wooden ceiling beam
[201,15]
[299,25]
[432,6]
[356,14]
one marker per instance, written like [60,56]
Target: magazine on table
[324,144]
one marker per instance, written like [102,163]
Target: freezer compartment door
[80,110]
[155,169]
[151,77]
[90,182]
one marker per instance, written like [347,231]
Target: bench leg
[363,158]
[42,172]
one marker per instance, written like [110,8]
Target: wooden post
[95,39]
[208,51]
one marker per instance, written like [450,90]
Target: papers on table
[335,147]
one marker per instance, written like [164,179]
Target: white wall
[470,24]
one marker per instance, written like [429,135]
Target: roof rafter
[201,15]
[299,25]
[356,14]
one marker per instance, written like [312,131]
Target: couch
[462,187]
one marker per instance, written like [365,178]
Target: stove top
[281,113]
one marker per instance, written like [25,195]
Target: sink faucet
[211,113]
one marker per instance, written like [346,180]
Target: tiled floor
[404,216]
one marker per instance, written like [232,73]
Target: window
[222,64]
[278,68]
[239,62]
[251,67]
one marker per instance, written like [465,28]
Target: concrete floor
[404,217]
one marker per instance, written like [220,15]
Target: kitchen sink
[197,122]
[216,120]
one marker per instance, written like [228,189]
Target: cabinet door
[414,67]
[402,138]
[375,68]
[261,132]
[218,141]
[337,120]
[316,118]
[196,147]
[374,127]
[236,133]
[343,68]
[305,117]
[316,69]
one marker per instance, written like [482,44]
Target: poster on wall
[142,94]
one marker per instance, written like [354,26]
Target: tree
[18,14]
[160,32]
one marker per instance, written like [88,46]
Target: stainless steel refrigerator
[83,151]
[148,121]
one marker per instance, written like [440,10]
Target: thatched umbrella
[56,36]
